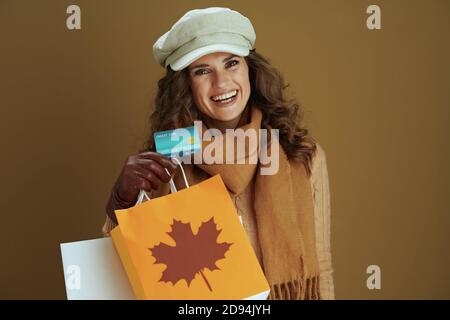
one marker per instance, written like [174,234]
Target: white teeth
[225,96]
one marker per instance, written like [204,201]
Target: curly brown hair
[175,108]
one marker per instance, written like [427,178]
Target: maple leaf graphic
[192,253]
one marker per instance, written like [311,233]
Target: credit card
[177,143]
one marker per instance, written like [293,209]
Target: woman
[214,74]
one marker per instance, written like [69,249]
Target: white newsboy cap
[203,31]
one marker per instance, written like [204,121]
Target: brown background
[74,104]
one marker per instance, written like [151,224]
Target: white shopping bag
[93,271]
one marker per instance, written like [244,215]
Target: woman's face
[220,85]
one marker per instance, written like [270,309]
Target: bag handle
[173,188]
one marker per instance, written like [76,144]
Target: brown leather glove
[142,171]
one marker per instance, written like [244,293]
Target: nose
[221,79]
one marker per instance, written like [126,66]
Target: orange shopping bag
[190,245]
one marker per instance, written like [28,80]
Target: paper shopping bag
[93,271]
[188,245]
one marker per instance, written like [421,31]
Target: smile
[225,98]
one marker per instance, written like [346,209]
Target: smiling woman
[215,75]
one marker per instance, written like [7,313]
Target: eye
[232,63]
[200,72]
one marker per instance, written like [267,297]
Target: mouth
[226,99]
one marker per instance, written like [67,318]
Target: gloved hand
[142,171]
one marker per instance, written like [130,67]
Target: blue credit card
[178,142]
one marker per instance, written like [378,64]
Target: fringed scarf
[284,212]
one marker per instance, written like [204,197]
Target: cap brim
[190,57]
